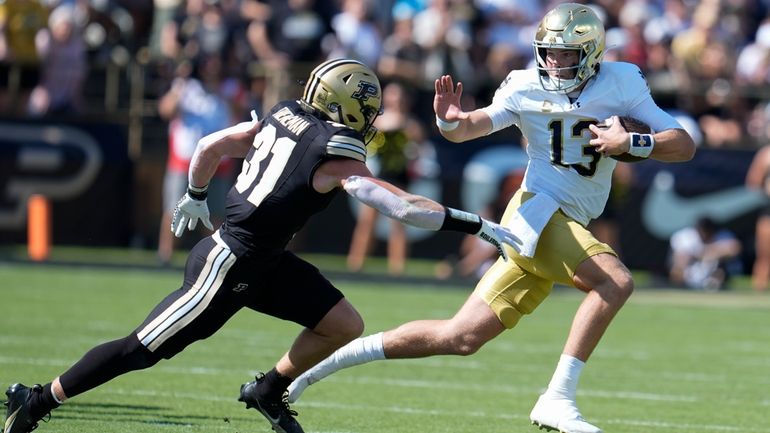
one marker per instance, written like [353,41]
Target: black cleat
[279,414]
[17,417]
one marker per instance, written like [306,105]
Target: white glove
[496,235]
[187,213]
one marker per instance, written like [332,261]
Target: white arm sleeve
[648,112]
[393,206]
[501,117]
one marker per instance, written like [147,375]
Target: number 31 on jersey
[269,157]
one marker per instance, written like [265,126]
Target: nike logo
[268,416]
[11,419]
[664,211]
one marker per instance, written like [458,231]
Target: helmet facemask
[569,26]
[551,78]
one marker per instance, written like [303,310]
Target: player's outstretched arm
[423,212]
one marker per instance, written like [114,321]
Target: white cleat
[560,414]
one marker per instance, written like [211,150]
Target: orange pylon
[38,227]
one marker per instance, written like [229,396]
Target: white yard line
[651,424]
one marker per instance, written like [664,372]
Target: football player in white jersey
[557,106]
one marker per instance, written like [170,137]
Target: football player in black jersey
[295,161]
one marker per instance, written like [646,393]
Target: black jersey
[274,197]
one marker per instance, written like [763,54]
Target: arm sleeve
[503,109]
[641,104]
[501,117]
[392,205]
[648,112]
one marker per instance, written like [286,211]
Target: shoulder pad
[348,144]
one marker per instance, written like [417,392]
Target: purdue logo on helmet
[346,91]
[569,26]
[365,90]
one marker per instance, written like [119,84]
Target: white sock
[358,351]
[565,379]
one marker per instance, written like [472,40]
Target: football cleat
[279,414]
[560,414]
[18,418]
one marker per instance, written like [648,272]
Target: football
[630,124]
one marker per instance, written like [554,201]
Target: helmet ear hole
[351,118]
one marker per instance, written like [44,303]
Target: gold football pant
[518,286]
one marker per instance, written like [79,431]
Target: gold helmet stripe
[319,72]
[350,147]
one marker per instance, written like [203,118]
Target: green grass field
[672,362]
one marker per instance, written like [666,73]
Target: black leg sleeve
[105,362]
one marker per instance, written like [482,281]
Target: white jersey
[561,162]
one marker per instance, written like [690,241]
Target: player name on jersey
[292,122]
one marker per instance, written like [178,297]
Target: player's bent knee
[342,324]
[352,330]
[621,288]
[627,287]
[136,356]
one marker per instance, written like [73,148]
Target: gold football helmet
[346,91]
[569,26]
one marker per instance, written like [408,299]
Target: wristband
[446,126]
[198,193]
[641,144]
[460,221]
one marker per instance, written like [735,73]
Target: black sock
[274,385]
[42,402]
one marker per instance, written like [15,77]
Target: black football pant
[216,285]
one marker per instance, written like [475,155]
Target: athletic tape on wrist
[198,193]
[641,145]
[460,221]
[447,126]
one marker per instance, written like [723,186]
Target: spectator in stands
[506,22]
[163,14]
[199,29]
[20,23]
[357,36]
[391,161]
[284,32]
[446,37]
[286,38]
[753,64]
[758,178]
[704,257]
[632,19]
[401,57]
[197,104]
[64,68]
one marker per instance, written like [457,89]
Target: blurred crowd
[708,61]
[207,63]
